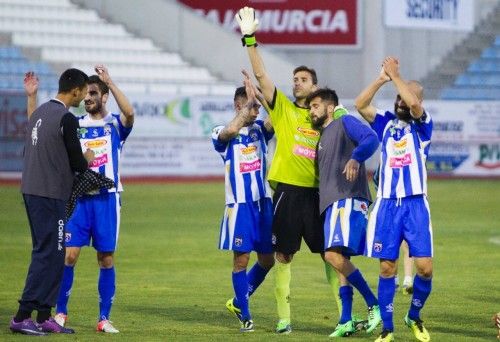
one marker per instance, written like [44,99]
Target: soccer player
[293,173]
[97,215]
[247,222]
[52,154]
[344,196]
[401,211]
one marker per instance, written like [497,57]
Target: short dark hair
[71,79]
[240,92]
[325,94]
[311,71]
[94,79]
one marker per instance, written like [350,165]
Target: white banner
[430,14]
[168,156]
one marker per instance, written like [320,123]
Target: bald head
[417,89]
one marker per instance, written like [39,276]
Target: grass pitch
[172,282]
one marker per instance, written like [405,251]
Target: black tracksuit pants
[46,218]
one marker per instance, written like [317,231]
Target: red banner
[290,22]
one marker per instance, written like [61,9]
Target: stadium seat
[61,30]
[481,80]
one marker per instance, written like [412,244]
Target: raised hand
[247,21]
[383,75]
[31,83]
[250,90]
[391,67]
[103,74]
[258,93]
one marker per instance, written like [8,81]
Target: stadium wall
[177,28]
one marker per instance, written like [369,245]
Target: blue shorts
[345,225]
[393,221]
[96,217]
[247,227]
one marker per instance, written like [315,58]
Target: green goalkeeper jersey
[294,159]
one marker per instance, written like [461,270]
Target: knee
[334,258]
[387,269]
[284,258]
[70,259]
[105,260]
[240,261]
[425,271]
[424,267]
[267,262]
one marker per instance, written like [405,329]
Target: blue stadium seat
[481,80]
[13,65]
[466,93]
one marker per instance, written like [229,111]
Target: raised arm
[126,109]
[391,67]
[363,102]
[31,89]
[232,129]
[260,97]
[248,26]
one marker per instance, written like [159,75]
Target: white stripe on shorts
[370,231]
[333,219]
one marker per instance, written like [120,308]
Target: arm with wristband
[248,25]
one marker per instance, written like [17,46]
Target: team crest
[377,247]
[238,242]
[67,237]
[107,129]
[254,136]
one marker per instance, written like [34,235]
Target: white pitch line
[495,240]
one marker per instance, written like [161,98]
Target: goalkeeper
[293,173]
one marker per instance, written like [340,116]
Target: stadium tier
[50,36]
[481,80]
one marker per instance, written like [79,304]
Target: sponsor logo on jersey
[99,161]
[303,151]
[398,162]
[249,149]
[308,132]
[95,143]
[400,144]
[249,167]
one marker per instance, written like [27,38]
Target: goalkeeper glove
[248,25]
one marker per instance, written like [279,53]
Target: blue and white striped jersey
[404,151]
[106,138]
[245,163]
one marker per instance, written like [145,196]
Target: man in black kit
[52,154]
